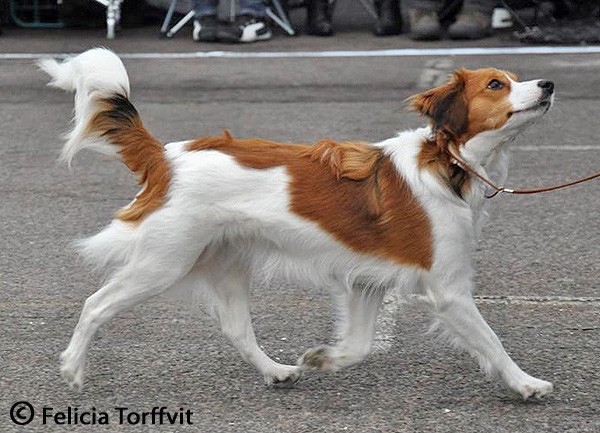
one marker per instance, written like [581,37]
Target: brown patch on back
[118,122]
[351,190]
[354,161]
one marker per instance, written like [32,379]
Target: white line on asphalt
[405,52]
[549,147]
[386,322]
[547,300]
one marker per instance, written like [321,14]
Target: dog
[358,218]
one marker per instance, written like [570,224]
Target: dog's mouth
[543,105]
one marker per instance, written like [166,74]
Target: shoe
[318,18]
[389,19]
[245,28]
[471,25]
[253,29]
[424,25]
[205,29]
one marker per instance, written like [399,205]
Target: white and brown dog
[358,218]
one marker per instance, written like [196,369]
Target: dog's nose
[547,86]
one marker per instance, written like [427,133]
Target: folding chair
[274,10]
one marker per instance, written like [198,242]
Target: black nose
[548,86]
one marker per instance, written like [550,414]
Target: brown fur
[119,123]
[464,106]
[435,158]
[351,190]
[459,110]
[446,106]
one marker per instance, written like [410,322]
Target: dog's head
[476,101]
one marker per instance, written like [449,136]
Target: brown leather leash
[498,189]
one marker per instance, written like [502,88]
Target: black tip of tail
[122,108]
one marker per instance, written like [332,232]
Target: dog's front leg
[457,315]
[358,307]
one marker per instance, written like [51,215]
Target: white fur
[94,74]
[224,223]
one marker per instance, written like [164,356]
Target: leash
[498,189]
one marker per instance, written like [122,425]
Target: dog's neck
[489,154]
[485,149]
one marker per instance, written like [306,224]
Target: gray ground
[163,354]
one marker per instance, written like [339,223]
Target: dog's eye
[495,85]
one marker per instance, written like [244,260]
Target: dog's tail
[106,121]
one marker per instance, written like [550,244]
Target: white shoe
[253,29]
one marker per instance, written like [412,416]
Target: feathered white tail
[94,75]
[107,122]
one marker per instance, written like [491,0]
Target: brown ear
[446,105]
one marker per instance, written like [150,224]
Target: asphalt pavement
[538,264]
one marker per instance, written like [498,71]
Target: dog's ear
[445,105]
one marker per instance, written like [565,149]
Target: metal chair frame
[274,10]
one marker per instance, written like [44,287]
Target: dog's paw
[535,388]
[71,372]
[321,358]
[283,375]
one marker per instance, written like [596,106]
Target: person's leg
[249,25]
[205,20]
[482,6]
[318,17]
[389,18]
[474,20]
[204,8]
[424,19]
[255,8]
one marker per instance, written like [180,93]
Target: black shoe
[318,18]
[389,19]
[205,29]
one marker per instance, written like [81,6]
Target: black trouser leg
[389,18]
[318,17]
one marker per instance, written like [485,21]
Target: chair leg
[167,21]
[280,17]
[180,24]
[281,21]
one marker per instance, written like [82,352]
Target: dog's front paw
[283,375]
[72,372]
[533,387]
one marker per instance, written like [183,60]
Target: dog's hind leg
[360,307]
[227,290]
[160,259]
